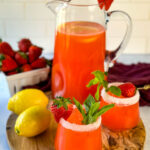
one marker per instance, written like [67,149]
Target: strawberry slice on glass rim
[61,108]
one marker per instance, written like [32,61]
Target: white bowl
[17,81]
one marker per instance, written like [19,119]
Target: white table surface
[4,96]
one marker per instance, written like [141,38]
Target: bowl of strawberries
[24,67]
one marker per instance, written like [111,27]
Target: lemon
[32,121]
[25,99]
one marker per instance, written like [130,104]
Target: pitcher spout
[54,5]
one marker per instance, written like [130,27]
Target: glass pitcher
[80,45]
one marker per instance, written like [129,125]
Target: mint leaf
[105,84]
[106,73]
[90,83]
[94,108]
[93,82]
[97,92]
[99,75]
[91,119]
[115,90]
[88,102]
[103,110]
[79,106]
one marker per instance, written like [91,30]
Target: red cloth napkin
[138,74]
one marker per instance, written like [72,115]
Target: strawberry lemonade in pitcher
[74,61]
[80,45]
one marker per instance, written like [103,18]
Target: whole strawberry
[128,89]
[7,63]
[34,53]
[12,73]
[61,108]
[6,49]
[26,68]
[39,63]
[21,58]
[24,45]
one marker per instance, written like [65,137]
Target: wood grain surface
[128,140]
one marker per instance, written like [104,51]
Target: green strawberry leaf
[23,55]
[79,107]
[62,102]
[115,90]
[1,40]
[49,62]
[2,57]
[1,64]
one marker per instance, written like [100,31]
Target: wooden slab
[127,140]
[44,141]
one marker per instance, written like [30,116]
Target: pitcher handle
[111,56]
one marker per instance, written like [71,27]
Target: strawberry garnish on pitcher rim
[105,3]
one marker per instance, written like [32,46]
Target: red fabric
[138,74]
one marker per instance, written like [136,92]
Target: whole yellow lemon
[25,99]
[32,121]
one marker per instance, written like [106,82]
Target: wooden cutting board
[128,140]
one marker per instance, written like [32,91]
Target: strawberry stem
[2,57]
[62,102]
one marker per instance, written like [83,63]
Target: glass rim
[81,128]
[74,4]
[85,5]
[120,101]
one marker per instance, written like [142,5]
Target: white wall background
[31,18]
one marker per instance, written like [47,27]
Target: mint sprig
[99,80]
[62,102]
[79,107]
[92,109]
